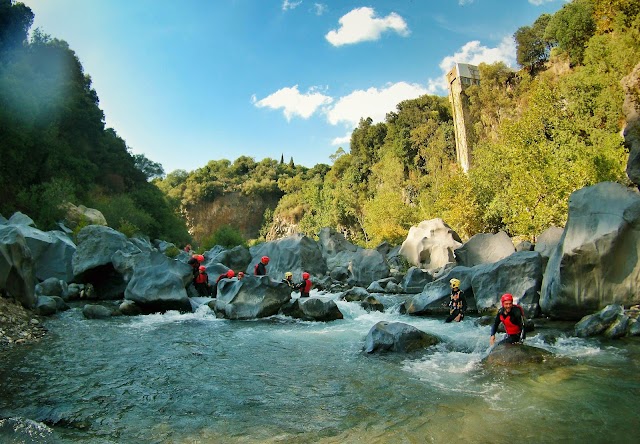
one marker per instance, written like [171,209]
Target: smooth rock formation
[431,244]
[596,261]
[397,337]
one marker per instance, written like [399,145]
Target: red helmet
[305,275]
[230,274]
[202,268]
[199,257]
[506,297]
[265,260]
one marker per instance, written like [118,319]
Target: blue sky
[189,81]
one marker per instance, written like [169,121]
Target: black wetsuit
[513,324]
[457,306]
[260,269]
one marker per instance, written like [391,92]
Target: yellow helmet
[455,283]
[288,274]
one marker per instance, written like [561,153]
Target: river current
[194,378]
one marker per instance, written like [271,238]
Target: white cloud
[320,8]
[373,102]
[293,103]
[360,25]
[287,5]
[540,2]
[474,53]
[344,140]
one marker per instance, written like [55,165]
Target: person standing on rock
[194,262]
[457,302]
[513,320]
[261,267]
[305,285]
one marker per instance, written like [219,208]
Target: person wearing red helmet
[194,262]
[261,267]
[201,282]
[228,275]
[305,285]
[513,319]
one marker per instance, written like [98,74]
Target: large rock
[484,249]
[52,252]
[415,280]
[251,297]
[19,218]
[93,260]
[158,285]
[430,244]
[631,110]
[295,253]
[313,309]
[397,337]
[519,274]
[237,258]
[597,323]
[364,265]
[596,261]
[82,215]
[17,275]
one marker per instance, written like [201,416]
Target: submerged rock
[508,355]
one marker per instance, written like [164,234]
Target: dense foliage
[55,147]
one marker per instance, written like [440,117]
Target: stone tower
[460,77]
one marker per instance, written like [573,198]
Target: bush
[172,251]
[226,235]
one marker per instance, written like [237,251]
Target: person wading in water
[513,319]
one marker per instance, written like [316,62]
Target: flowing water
[193,378]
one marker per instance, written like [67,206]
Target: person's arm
[464,302]
[494,329]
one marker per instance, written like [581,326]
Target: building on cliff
[460,78]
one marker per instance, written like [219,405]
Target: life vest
[509,326]
[306,288]
[202,278]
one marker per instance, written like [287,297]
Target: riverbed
[195,378]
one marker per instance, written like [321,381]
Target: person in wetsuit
[261,267]
[201,282]
[457,302]
[228,275]
[305,285]
[513,319]
[288,279]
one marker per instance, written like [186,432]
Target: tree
[15,21]
[149,168]
[572,27]
[532,48]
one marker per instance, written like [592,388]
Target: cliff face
[234,209]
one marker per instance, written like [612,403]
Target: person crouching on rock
[194,262]
[288,279]
[513,320]
[228,275]
[201,282]
[261,267]
[457,302]
[305,285]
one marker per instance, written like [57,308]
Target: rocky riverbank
[18,325]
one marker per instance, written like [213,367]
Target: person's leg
[453,316]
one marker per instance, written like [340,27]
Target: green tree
[532,49]
[149,168]
[572,27]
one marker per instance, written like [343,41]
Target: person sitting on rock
[305,285]
[261,267]
[201,282]
[513,320]
[240,274]
[288,279]
[228,275]
[457,302]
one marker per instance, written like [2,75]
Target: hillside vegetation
[538,134]
[54,143]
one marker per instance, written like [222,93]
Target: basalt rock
[251,297]
[397,337]
[430,244]
[514,355]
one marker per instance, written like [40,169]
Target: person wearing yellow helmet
[288,279]
[457,302]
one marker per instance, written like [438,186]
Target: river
[193,378]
